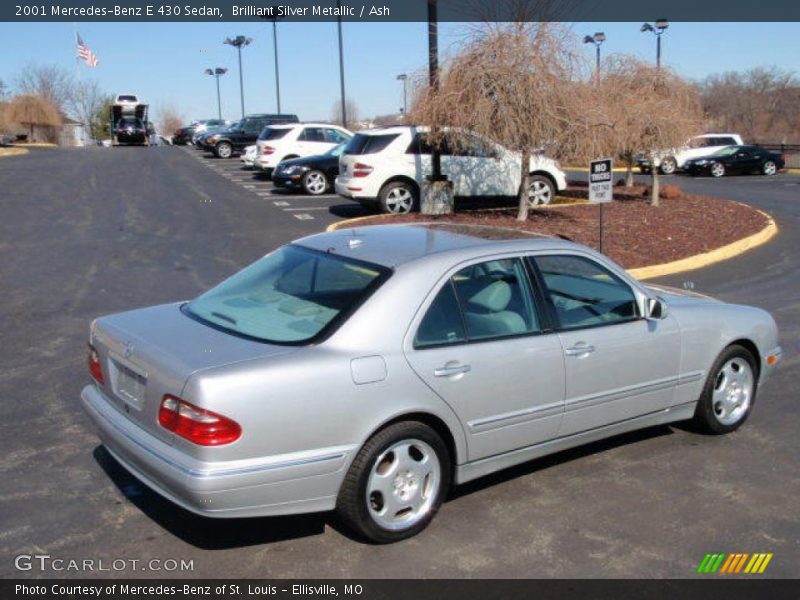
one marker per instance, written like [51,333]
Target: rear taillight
[95,369]
[267,150]
[361,170]
[198,425]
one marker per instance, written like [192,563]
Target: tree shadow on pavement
[205,532]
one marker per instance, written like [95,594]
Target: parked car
[129,100]
[248,156]
[386,168]
[184,135]
[234,139]
[501,347]
[283,142]
[737,159]
[312,174]
[669,162]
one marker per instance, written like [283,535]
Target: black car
[130,130]
[736,159]
[244,133]
[184,135]
[313,174]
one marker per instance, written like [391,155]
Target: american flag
[84,53]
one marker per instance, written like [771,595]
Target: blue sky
[164,62]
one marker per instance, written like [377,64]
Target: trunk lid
[150,352]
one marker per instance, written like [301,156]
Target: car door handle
[579,350]
[450,371]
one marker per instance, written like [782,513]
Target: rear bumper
[357,189]
[276,485]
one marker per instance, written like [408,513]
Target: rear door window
[334,136]
[312,134]
[362,143]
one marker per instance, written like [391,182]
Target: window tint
[362,143]
[312,134]
[584,293]
[252,125]
[442,323]
[496,299]
[290,295]
[126,98]
[273,133]
[421,145]
[335,136]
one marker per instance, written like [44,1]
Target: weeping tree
[33,110]
[521,85]
[642,108]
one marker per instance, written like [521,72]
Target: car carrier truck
[129,124]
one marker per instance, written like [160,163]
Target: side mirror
[656,309]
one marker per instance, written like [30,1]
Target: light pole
[216,74]
[433,75]
[404,78]
[597,39]
[274,18]
[237,43]
[341,64]
[658,29]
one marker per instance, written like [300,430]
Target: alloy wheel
[539,193]
[399,200]
[315,183]
[403,484]
[718,169]
[769,168]
[733,391]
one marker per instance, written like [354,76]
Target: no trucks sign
[600,184]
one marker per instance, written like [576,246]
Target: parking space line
[310,208]
[303,216]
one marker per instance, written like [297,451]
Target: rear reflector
[198,425]
[95,369]
[361,170]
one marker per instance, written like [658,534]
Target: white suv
[282,142]
[388,166]
[701,145]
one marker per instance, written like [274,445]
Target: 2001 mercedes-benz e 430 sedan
[369,369]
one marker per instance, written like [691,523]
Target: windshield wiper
[224,317]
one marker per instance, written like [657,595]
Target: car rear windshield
[291,296]
[273,133]
[126,98]
[369,144]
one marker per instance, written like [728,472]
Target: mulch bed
[635,233]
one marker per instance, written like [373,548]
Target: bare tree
[351,108]
[85,100]
[760,103]
[3,90]
[169,119]
[51,82]
[31,110]
[518,84]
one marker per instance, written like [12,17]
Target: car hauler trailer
[129,124]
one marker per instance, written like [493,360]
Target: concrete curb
[13,151]
[689,263]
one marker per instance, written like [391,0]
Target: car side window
[252,126]
[496,299]
[584,293]
[312,134]
[335,136]
[442,324]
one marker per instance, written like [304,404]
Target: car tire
[223,150]
[396,483]
[668,166]
[769,168]
[541,191]
[729,393]
[717,170]
[399,197]
[315,183]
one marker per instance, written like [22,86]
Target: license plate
[128,384]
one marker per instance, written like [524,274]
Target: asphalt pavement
[87,232]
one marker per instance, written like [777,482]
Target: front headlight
[292,169]
[701,162]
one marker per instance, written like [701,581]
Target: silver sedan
[367,370]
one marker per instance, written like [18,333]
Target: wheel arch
[403,179]
[751,347]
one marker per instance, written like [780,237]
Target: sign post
[601,187]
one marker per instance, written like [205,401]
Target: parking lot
[93,231]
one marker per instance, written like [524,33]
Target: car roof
[304,124]
[394,245]
[705,135]
[393,129]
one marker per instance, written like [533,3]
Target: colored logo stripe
[723,563]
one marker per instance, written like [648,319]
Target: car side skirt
[486,466]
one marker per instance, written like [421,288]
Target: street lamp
[404,78]
[237,43]
[216,74]
[658,29]
[597,39]
[341,63]
[274,18]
